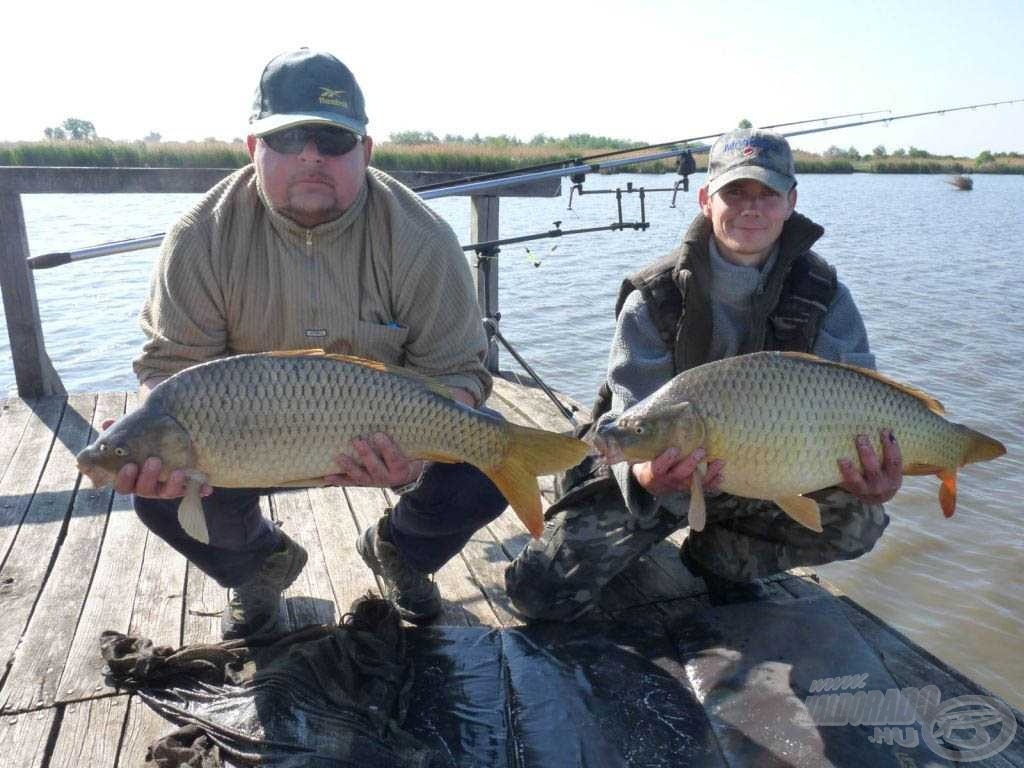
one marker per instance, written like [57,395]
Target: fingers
[876,480]
[378,461]
[715,475]
[145,481]
[670,471]
[105,423]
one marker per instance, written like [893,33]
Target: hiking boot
[723,591]
[414,593]
[255,606]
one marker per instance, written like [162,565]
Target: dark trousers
[429,526]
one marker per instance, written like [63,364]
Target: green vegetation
[423,151]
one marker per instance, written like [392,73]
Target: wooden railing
[33,371]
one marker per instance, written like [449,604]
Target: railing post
[33,370]
[483,226]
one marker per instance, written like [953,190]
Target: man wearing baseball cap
[744,279]
[309,247]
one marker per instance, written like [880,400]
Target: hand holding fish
[672,472]
[380,463]
[879,480]
[145,480]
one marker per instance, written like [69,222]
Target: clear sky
[648,71]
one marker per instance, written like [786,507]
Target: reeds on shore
[440,156]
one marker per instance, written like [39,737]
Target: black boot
[414,593]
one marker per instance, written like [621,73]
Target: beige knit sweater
[387,281]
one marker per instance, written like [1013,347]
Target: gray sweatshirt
[640,362]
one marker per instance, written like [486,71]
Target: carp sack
[780,421]
[277,419]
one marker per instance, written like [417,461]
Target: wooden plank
[23,738]
[143,727]
[205,601]
[21,477]
[108,605]
[90,732]
[66,180]
[529,405]
[336,529]
[33,370]
[14,419]
[483,227]
[310,600]
[160,594]
[27,564]
[39,660]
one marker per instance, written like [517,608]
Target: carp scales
[780,421]
[276,420]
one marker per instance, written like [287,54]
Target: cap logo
[749,151]
[333,97]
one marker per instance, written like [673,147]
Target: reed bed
[441,156]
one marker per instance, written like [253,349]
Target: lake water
[938,276]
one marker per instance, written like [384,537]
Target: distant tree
[540,140]
[915,152]
[853,154]
[153,137]
[901,152]
[834,151]
[454,138]
[985,156]
[55,134]
[878,151]
[745,124]
[414,137]
[79,130]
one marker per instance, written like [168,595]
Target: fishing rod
[488,182]
[618,152]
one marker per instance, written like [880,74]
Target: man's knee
[537,592]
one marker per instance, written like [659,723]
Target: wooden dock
[75,561]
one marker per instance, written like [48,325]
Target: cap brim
[273,123]
[780,182]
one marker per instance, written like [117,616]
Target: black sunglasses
[330,142]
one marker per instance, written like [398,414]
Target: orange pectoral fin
[947,491]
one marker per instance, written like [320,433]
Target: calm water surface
[938,276]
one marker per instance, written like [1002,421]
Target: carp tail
[979,447]
[532,452]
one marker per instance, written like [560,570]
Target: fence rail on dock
[33,370]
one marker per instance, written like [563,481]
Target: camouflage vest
[785,315]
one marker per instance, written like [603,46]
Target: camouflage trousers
[590,540]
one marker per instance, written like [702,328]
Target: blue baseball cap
[307,86]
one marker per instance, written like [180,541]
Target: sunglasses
[330,142]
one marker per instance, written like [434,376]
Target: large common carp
[780,421]
[278,419]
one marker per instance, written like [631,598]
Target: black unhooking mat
[726,687]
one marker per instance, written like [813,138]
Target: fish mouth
[605,447]
[98,476]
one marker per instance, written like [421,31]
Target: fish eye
[120,451]
[103,447]
[638,429]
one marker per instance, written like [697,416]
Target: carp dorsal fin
[428,383]
[929,401]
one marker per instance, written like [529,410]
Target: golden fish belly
[266,421]
[782,434]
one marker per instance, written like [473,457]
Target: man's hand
[671,472]
[876,481]
[377,462]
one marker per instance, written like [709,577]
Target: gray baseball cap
[751,154]
[306,86]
